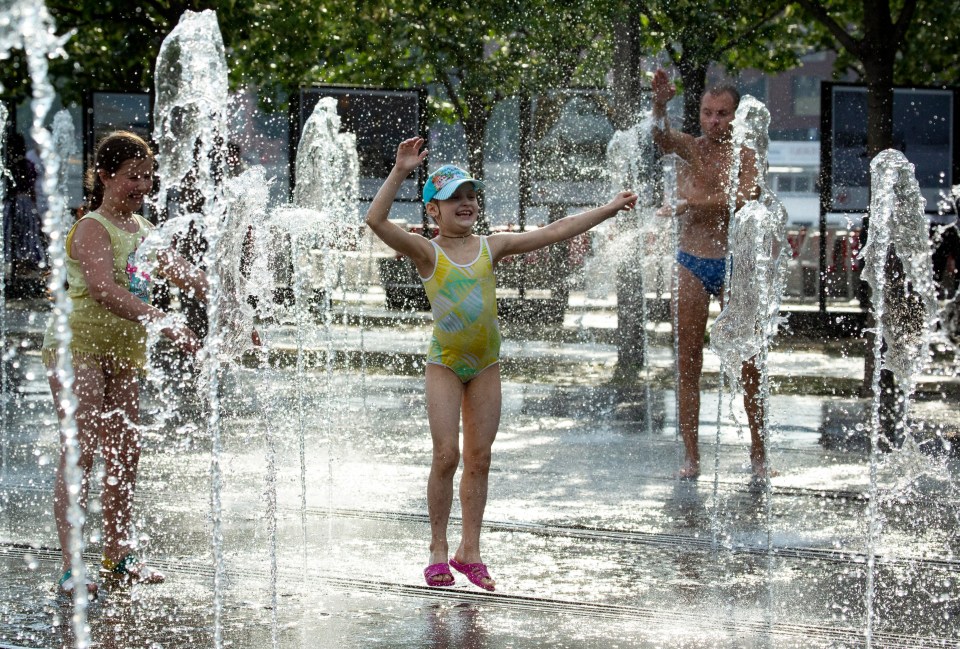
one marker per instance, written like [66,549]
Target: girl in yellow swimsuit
[463,373]
[110,307]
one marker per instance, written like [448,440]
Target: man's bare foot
[689,471]
[762,472]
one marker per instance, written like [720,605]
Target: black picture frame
[379,117]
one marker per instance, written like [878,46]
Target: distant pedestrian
[23,241]
[463,372]
[110,299]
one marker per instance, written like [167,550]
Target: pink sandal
[475,572]
[433,573]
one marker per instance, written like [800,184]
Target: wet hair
[112,151]
[723,89]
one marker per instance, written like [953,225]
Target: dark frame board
[108,110]
[105,110]
[379,117]
[926,126]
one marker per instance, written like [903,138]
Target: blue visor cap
[444,181]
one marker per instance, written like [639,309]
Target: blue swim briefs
[711,272]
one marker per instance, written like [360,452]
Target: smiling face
[456,215]
[716,115]
[125,190]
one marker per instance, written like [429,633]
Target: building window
[806,96]
[756,87]
[784,184]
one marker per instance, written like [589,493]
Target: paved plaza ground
[592,541]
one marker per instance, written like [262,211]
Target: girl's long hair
[112,151]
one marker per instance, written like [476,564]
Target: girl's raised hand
[623,202]
[409,154]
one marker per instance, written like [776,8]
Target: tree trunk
[879,80]
[627,83]
[694,76]
[475,131]
[878,61]
[627,104]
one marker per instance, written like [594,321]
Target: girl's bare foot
[66,585]
[439,557]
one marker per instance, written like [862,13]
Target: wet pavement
[592,541]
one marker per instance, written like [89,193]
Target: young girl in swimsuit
[110,308]
[462,373]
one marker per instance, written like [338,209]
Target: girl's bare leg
[444,392]
[88,388]
[481,419]
[120,446]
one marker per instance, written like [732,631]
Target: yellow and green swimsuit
[98,334]
[463,298]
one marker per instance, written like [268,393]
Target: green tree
[885,42]
[114,44]
[112,47]
[472,55]
[737,34]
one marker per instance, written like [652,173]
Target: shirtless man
[704,214]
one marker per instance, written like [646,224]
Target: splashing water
[29,26]
[638,245]
[756,269]
[328,182]
[306,230]
[319,224]
[191,99]
[4,379]
[190,118]
[897,267]
[328,166]
[755,282]
[247,196]
[671,165]
[632,164]
[757,239]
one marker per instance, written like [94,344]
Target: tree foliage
[738,34]
[474,55]
[885,42]
[113,47]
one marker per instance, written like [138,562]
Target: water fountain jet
[29,27]
[897,267]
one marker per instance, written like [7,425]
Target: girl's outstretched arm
[183,274]
[410,155]
[511,243]
[91,247]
